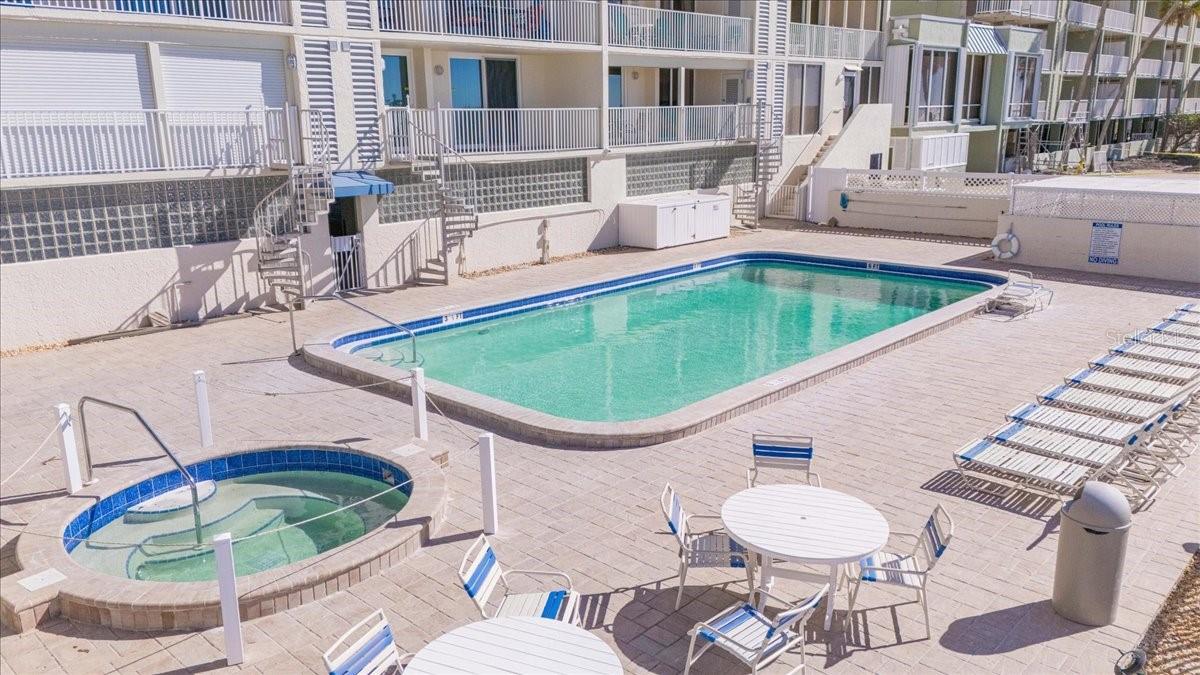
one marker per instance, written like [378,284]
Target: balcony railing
[680,124]
[1139,107]
[1085,14]
[251,11]
[1157,68]
[73,142]
[1037,9]
[632,26]
[565,21]
[1106,64]
[830,42]
[470,131]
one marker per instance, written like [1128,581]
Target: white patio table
[807,525]
[515,645]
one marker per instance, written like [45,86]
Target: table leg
[833,584]
[768,580]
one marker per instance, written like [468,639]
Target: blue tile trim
[114,506]
[378,336]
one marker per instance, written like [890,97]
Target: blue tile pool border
[358,340]
[115,505]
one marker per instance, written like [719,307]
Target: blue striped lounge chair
[911,569]
[750,635]
[373,652]
[1153,370]
[1152,352]
[1127,385]
[1180,324]
[710,548]
[782,452]
[1190,308]
[1190,317]
[482,576]
[1159,339]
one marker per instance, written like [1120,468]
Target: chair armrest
[817,476]
[723,636]
[762,591]
[542,573]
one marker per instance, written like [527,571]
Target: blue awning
[359,184]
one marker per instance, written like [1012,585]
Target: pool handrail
[87,452]
[336,295]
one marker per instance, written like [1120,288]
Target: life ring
[1014,246]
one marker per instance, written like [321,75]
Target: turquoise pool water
[164,549]
[646,351]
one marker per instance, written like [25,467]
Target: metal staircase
[292,209]
[768,157]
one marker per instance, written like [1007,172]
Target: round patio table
[516,645]
[807,525]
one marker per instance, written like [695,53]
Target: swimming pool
[644,346]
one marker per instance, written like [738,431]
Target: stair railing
[87,452]
[466,187]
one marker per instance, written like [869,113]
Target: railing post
[487,482]
[66,445]
[202,410]
[420,411]
[231,615]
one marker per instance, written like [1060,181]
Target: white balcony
[490,131]
[1028,9]
[1157,68]
[1087,15]
[1148,24]
[1106,64]
[1191,105]
[75,142]
[831,42]
[562,21]
[249,11]
[633,26]
[1146,107]
[680,124]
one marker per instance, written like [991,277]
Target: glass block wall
[502,187]
[46,223]
[658,172]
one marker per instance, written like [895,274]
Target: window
[1025,75]
[395,80]
[973,88]
[869,87]
[483,83]
[803,99]
[936,85]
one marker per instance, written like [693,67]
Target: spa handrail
[87,451]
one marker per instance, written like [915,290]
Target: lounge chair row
[1129,418]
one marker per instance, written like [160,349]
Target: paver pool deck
[884,432]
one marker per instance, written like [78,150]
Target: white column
[602,18]
[420,413]
[66,444]
[231,615]
[202,412]
[487,482]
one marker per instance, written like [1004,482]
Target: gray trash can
[1091,554]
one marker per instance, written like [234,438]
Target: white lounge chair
[1099,403]
[1159,339]
[481,575]
[1188,318]
[1189,307]
[1079,424]
[1182,328]
[1127,385]
[374,652]
[1022,293]
[1021,467]
[750,635]
[710,548]
[1061,445]
[782,452]
[1141,350]
[1128,365]
[909,570]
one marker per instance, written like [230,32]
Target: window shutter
[363,65]
[66,75]
[358,14]
[318,76]
[200,78]
[314,13]
[778,87]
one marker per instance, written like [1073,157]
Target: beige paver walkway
[884,431]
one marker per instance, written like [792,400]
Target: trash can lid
[1099,506]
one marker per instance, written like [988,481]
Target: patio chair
[1128,365]
[1022,294]
[782,452]
[1149,352]
[909,570]
[481,574]
[373,652]
[750,635]
[711,548]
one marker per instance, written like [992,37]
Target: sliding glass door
[483,92]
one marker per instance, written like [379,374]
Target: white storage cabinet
[672,220]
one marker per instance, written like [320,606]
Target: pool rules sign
[1106,243]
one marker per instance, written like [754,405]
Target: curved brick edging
[538,427]
[90,596]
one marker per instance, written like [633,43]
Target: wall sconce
[636,75]
[291,61]
[438,69]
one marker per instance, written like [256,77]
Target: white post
[487,481]
[231,616]
[66,444]
[206,439]
[420,413]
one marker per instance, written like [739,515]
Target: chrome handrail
[87,451]
[337,296]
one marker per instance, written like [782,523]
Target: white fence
[997,185]
[1106,64]
[348,262]
[680,124]
[784,201]
[831,42]
[252,11]
[1086,14]
[493,130]
[61,143]
[633,26]
[567,21]
[1108,205]
[1042,9]
[941,151]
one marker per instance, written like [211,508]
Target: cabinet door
[668,234]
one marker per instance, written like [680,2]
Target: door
[477,84]
[346,243]
[731,90]
[849,95]
[395,80]
[616,94]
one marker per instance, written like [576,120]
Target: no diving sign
[1105,247]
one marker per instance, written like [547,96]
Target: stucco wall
[866,132]
[1147,250]
[917,212]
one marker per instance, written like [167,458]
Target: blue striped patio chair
[710,548]
[482,576]
[782,452]
[750,636]
[374,651]
[910,570]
